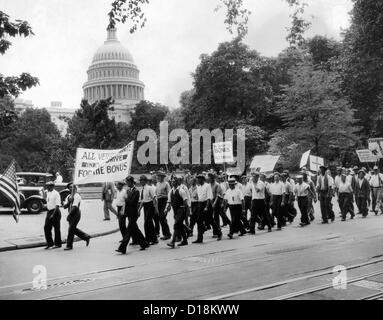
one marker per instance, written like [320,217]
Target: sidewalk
[29,232]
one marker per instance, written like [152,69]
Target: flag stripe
[8,185]
[11,190]
[9,196]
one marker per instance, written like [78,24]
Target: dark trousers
[194,215]
[134,233]
[260,211]
[201,219]
[303,207]
[150,232]
[74,219]
[55,224]
[209,219]
[236,224]
[344,204]
[121,220]
[179,227]
[248,205]
[162,217]
[276,208]
[218,212]
[325,205]
[361,203]
[291,212]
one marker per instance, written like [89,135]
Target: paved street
[293,264]
[30,229]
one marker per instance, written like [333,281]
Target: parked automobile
[32,192]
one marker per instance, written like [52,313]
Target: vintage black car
[32,192]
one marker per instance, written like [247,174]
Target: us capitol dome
[113,73]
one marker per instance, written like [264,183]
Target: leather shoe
[68,248]
[48,247]
[230,236]
[198,241]
[121,251]
[165,238]
[183,243]
[171,245]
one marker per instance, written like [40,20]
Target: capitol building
[113,73]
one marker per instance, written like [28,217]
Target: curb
[43,243]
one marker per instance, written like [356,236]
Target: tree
[31,142]
[323,50]
[14,85]
[298,24]
[315,115]
[131,11]
[229,84]
[363,65]
[91,126]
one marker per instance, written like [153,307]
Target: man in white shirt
[205,197]
[53,217]
[289,211]
[178,201]
[120,202]
[345,194]
[258,212]
[234,199]
[325,185]
[376,183]
[72,203]
[59,178]
[162,191]
[149,204]
[247,193]
[277,194]
[302,191]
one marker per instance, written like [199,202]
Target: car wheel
[34,206]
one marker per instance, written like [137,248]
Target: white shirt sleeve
[58,199]
[209,192]
[76,200]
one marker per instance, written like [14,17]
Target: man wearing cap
[132,213]
[277,199]
[302,191]
[311,197]
[234,199]
[72,203]
[178,201]
[149,204]
[258,211]
[194,205]
[205,196]
[162,191]
[362,193]
[376,183]
[216,205]
[324,188]
[288,210]
[53,217]
[248,194]
[108,193]
[345,194]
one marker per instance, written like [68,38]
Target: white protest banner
[366,156]
[315,163]
[264,163]
[305,159]
[376,147]
[223,152]
[95,166]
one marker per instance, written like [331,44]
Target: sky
[166,50]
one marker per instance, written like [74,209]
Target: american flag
[8,186]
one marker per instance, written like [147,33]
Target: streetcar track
[262,288]
[292,280]
[325,287]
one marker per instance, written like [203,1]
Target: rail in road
[99,280]
[322,291]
